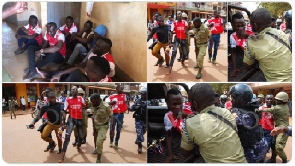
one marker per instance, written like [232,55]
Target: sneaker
[166,66]
[111,145]
[116,146]
[214,61]
[209,60]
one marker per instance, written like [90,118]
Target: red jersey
[74,105]
[241,42]
[35,30]
[120,106]
[179,27]
[266,121]
[54,40]
[217,27]
[228,105]
[70,30]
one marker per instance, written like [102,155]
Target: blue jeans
[216,40]
[50,57]
[27,42]
[268,138]
[183,45]
[118,120]
[70,126]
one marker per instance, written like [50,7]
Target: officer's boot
[273,157]
[284,160]
[76,141]
[98,159]
[199,75]
[139,150]
[84,140]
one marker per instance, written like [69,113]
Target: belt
[203,43]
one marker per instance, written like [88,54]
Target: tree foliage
[276,9]
[220,88]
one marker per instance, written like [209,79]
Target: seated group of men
[47,56]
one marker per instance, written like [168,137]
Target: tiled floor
[13,64]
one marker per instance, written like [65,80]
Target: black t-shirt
[53,113]
[162,33]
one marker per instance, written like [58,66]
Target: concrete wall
[126,27]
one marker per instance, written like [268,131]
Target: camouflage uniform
[11,104]
[281,118]
[101,116]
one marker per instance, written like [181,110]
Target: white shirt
[23,101]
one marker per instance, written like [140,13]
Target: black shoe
[83,141]
[139,150]
[167,65]
[161,61]
[32,75]
[26,71]
[284,160]
[156,64]
[186,58]
[179,59]
[47,148]
[75,142]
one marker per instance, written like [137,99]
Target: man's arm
[151,34]
[85,40]
[168,139]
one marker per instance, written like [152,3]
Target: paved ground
[210,73]
[21,145]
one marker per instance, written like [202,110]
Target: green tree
[276,9]
[220,88]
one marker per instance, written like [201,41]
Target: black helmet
[241,94]
[288,14]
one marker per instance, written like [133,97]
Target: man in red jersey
[56,51]
[74,104]
[179,27]
[34,37]
[119,107]
[68,29]
[267,123]
[216,27]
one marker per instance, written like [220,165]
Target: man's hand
[20,7]
[278,130]
[38,54]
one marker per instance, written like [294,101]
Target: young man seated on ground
[56,51]
[34,36]
[68,29]
[96,70]
[83,39]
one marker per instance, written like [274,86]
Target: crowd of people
[265,43]
[66,114]
[66,53]
[246,125]
[177,34]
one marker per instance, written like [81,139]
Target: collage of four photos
[146,82]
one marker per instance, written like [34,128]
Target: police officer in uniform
[102,114]
[11,104]
[84,120]
[140,107]
[222,101]
[270,48]
[288,20]
[213,129]
[202,33]
[250,132]
[281,119]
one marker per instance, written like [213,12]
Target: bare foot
[42,74]
[170,70]
[62,157]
